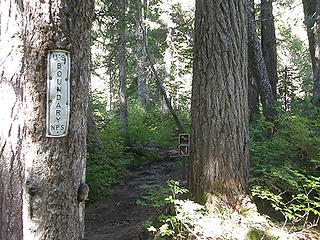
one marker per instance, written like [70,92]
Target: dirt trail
[120,218]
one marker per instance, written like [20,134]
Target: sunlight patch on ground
[225,223]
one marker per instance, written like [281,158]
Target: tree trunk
[141,67]
[168,62]
[122,69]
[268,43]
[93,141]
[259,69]
[312,21]
[111,93]
[164,95]
[219,162]
[253,94]
[40,176]
[161,88]
[253,90]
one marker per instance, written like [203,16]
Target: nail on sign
[58,93]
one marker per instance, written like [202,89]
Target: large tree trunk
[40,176]
[122,69]
[219,161]
[312,21]
[268,43]
[259,70]
[141,67]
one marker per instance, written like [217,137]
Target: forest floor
[120,217]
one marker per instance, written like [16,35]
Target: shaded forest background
[141,94]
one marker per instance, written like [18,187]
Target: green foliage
[150,126]
[258,234]
[156,196]
[105,169]
[283,167]
[159,196]
[294,65]
[183,35]
[144,126]
[105,48]
[102,173]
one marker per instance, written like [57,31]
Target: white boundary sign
[58,93]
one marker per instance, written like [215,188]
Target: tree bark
[93,141]
[268,43]
[122,69]
[219,161]
[141,67]
[40,176]
[168,62]
[259,70]
[312,20]
[253,94]
[112,93]
[253,89]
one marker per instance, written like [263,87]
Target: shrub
[101,173]
[283,168]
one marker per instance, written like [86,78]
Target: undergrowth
[190,220]
[145,129]
[285,178]
[284,183]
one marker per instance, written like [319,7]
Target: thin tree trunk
[312,21]
[259,69]
[316,71]
[122,69]
[168,61]
[161,88]
[253,95]
[268,43]
[141,67]
[164,94]
[111,90]
[40,176]
[93,141]
[219,163]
